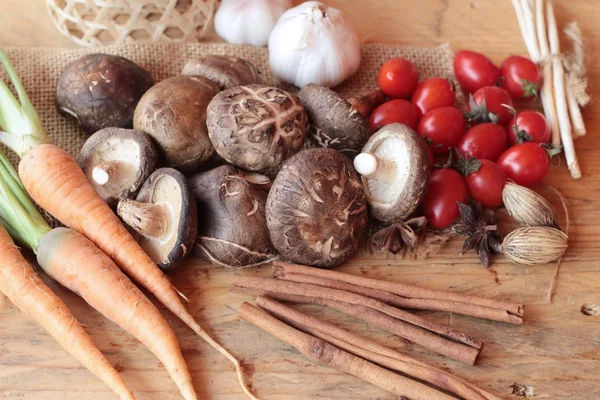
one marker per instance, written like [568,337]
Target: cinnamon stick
[305,289]
[321,352]
[472,310]
[408,291]
[373,351]
[457,351]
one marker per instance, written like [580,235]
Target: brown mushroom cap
[164,216]
[173,112]
[101,91]
[397,186]
[232,229]
[225,71]
[334,122]
[123,157]
[256,127]
[316,209]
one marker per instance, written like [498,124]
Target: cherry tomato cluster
[490,142]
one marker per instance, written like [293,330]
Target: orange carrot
[55,182]
[22,285]
[76,263]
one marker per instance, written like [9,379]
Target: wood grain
[556,350]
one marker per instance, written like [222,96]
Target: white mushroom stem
[373,167]
[149,220]
[547,91]
[560,93]
[102,172]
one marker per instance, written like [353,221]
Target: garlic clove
[313,43]
[248,21]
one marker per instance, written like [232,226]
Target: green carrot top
[20,130]
[20,126]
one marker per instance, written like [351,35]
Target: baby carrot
[24,288]
[56,182]
[77,264]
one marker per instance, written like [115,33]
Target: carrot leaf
[20,125]
[18,214]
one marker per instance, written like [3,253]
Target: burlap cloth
[40,68]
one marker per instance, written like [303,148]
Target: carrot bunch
[81,258]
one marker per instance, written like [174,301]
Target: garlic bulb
[248,21]
[313,43]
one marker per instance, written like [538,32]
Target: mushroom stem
[149,220]
[366,102]
[102,172]
[374,167]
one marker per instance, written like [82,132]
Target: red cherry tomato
[527,163]
[433,93]
[399,110]
[474,70]
[398,78]
[443,127]
[529,126]
[446,187]
[494,98]
[486,184]
[485,141]
[522,78]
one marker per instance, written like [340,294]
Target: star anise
[400,235]
[480,225]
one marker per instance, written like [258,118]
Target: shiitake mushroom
[225,71]
[395,171]
[101,91]
[256,127]
[173,113]
[335,122]
[117,162]
[232,229]
[316,209]
[163,216]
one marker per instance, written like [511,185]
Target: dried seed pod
[535,245]
[528,207]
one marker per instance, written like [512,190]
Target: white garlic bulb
[314,43]
[248,21]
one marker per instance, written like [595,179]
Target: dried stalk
[535,245]
[321,352]
[528,14]
[398,288]
[547,92]
[466,350]
[473,310]
[576,80]
[529,42]
[560,95]
[373,351]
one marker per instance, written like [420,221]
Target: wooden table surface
[556,350]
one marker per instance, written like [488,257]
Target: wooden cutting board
[556,351]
